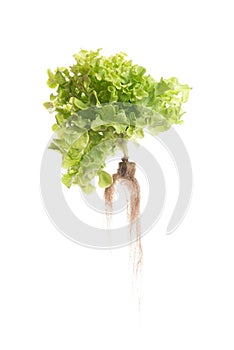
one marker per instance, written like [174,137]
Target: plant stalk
[122,143]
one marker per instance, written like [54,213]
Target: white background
[56,294]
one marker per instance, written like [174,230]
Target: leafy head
[102,102]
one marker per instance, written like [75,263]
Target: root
[126,175]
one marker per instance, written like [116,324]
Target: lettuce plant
[102,102]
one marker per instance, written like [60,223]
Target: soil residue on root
[126,176]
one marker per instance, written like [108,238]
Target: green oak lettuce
[100,101]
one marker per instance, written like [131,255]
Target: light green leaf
[52,97]
[67,179]
[59,144]
[48,105]
[120,128]
[97,122]
[52,83]
[78,103]
[59,78]
[81,142]
[107,112]
[88,189]
[105,179]
[55,127]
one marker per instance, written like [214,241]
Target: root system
[126,176]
